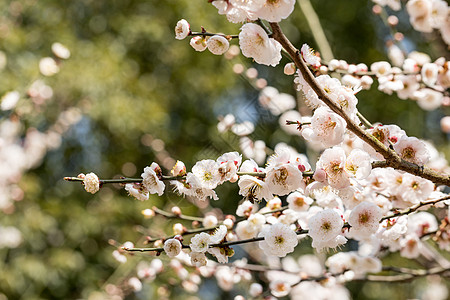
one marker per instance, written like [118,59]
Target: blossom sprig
[414,208]
[392,159]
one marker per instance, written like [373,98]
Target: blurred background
[127,94]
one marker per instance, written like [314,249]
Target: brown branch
[392,158]
[415,207]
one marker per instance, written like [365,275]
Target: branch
[392,158]
[415,207]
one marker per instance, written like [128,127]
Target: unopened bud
[176,210]
[289,69]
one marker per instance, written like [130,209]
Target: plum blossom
[254,189]
[364,219]
[198,259]
[413,150]
[137,190]
[279,288]
[217,44]
[333,162]
[238,11]
[198,43]
[279,240]
[255,43]
[325,229]
[327,128]
[228,165]
[172,247]
[200,242]
[91,183]
[282,177]
[151,179]
[276,10]
[309,56]
[298,202]
[182,29]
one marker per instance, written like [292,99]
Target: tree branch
[392,158]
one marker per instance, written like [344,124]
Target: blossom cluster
[351,192]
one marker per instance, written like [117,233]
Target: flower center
[408,153]
[364,218]
[279,240]
[299,201]
[326,226]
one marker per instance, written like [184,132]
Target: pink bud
[320,175]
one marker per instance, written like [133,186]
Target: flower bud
[289,69]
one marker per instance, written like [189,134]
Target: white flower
[381,68]
[135,284]
[391,231]
[279,240]
[197,188]
[428,99]
[276,10]
[256,220]
[332,161]
[198,259]
[410,247]
[210,221]
[282,180]
[245,230]
[10,237]
[365,220]
[243,129]
[358,164]
[226,123]
[198,43]
[412,190]
[217,44]
[60,50]
[253,188]
[279,288]
[255,289]
[421,223]
[137,190]
[228,165]
[48,66]
[9,100]
[276,102]
[246,208]
[298,202]
[255,43]
[218,235]
[91,183]
[220,254]
[182,29]
[413,150]
[179,169]
[172,247]
[238,11]
[151,181]
[325,228]
[200,242]
[309,56]
[326,128]
[429,73]
[207,172]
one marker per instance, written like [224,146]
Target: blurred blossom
[10,237]
[9,100]
[60,50]
[48,66]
